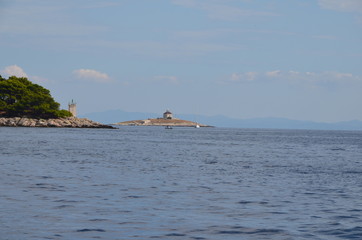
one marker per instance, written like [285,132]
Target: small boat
[168,127]
[197,126]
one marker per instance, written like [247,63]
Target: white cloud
[342,5]
[167,79]
[275,73]
[92,75]
[14,70]
[235,77]
[250,76]
[243,77]
[339,77]
[295,73]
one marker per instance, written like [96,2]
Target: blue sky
[240,58]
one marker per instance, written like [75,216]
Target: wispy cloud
[324,37]
[342,5]
[92,75]
[170,49]
[102,4]
[45,19]
[274,73]
[166,79]
[206,34]
[313,78]
[218,9]
[39,79]
[316,77]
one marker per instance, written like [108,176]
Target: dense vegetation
[19,97]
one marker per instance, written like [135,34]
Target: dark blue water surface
[184,183]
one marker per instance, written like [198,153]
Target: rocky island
[25,104]
[166,120]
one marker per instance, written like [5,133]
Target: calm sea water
[184,183]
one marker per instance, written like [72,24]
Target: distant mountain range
[114,116]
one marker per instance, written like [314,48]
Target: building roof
[167,112]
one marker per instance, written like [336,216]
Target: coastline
[70,122]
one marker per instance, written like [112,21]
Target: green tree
[19,97]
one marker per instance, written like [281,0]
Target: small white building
[167,115]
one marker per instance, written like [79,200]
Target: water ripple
[147,183]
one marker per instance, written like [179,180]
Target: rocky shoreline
[174,122]
[71,122]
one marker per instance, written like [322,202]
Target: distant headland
[25,104]
[167,120]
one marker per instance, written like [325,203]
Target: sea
[180,183]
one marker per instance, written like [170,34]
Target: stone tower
[72,108]
[167,115]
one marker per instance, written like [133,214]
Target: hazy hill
[114,116]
